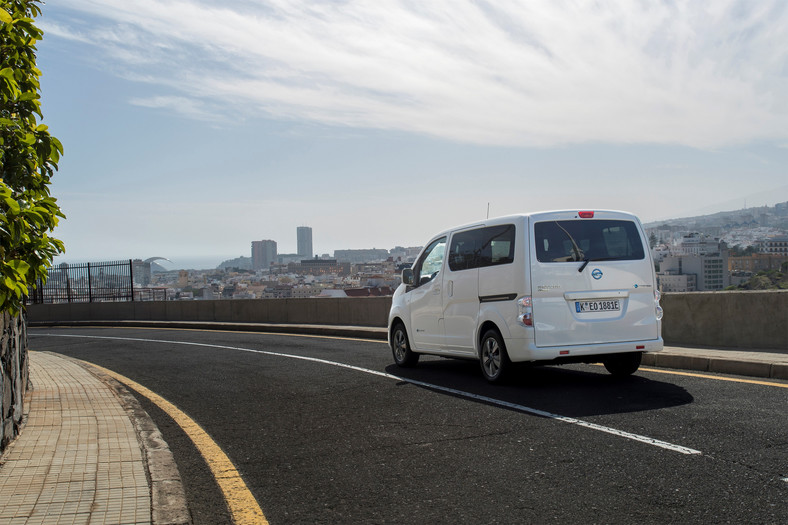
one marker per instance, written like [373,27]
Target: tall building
[689,273]
[263,254]
[305,242]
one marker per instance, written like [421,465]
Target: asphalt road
[321,443]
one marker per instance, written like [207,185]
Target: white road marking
[439,388]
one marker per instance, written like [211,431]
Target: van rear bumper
[524,349]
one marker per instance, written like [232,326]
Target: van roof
[543,215]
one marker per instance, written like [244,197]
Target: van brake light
[525,307]
[586,214]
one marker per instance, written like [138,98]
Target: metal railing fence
[86,283]
[151,294]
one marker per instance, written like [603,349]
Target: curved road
[346,437]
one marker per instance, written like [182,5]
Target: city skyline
[692,225]
[382,123]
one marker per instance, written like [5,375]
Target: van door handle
[450,288]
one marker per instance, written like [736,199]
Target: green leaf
[5,17]
[13,206]
[21,267]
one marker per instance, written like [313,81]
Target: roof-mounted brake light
[586,214]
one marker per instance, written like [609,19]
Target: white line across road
[460,393]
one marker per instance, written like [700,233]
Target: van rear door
[592,279]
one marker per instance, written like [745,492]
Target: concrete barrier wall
[361,311]
[756,320]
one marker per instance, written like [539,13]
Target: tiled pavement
[78,459]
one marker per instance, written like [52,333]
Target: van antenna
[488,210]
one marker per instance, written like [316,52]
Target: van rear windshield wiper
[587,260]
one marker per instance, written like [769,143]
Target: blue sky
[191,130]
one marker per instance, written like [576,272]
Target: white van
[547,288]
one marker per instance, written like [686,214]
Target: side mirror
[407,276]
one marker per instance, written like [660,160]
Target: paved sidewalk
[78,458]
[770,365]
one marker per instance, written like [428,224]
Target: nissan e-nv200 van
[544,288]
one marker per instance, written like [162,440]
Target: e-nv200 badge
[543,288]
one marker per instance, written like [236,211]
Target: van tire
[400,347]
[622,365]
[493,359]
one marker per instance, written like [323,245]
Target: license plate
[613,305]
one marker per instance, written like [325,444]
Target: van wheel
[493,358]
[621,365]
[400,347]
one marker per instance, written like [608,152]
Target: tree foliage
[28,160]
[738,251]
[766,280]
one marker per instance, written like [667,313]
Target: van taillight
[525,307]
[586,214]
[657,308]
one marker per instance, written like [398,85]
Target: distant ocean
[175,263]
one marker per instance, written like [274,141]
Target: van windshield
[587,240]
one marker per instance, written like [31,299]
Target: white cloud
[500,73]
[188,107]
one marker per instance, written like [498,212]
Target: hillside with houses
[745,248]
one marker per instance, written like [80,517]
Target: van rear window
[593,240]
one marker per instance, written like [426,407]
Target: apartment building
[698,263]
[263,254]
[319,267]
[670,282]
[776,245]
[757,262]
[709,272]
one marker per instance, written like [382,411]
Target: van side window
[431,262]
[594,240]
[482,247]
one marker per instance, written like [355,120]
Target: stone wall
[13,375]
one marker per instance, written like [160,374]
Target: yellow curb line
[706,376]
[243,506]
[717,378]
